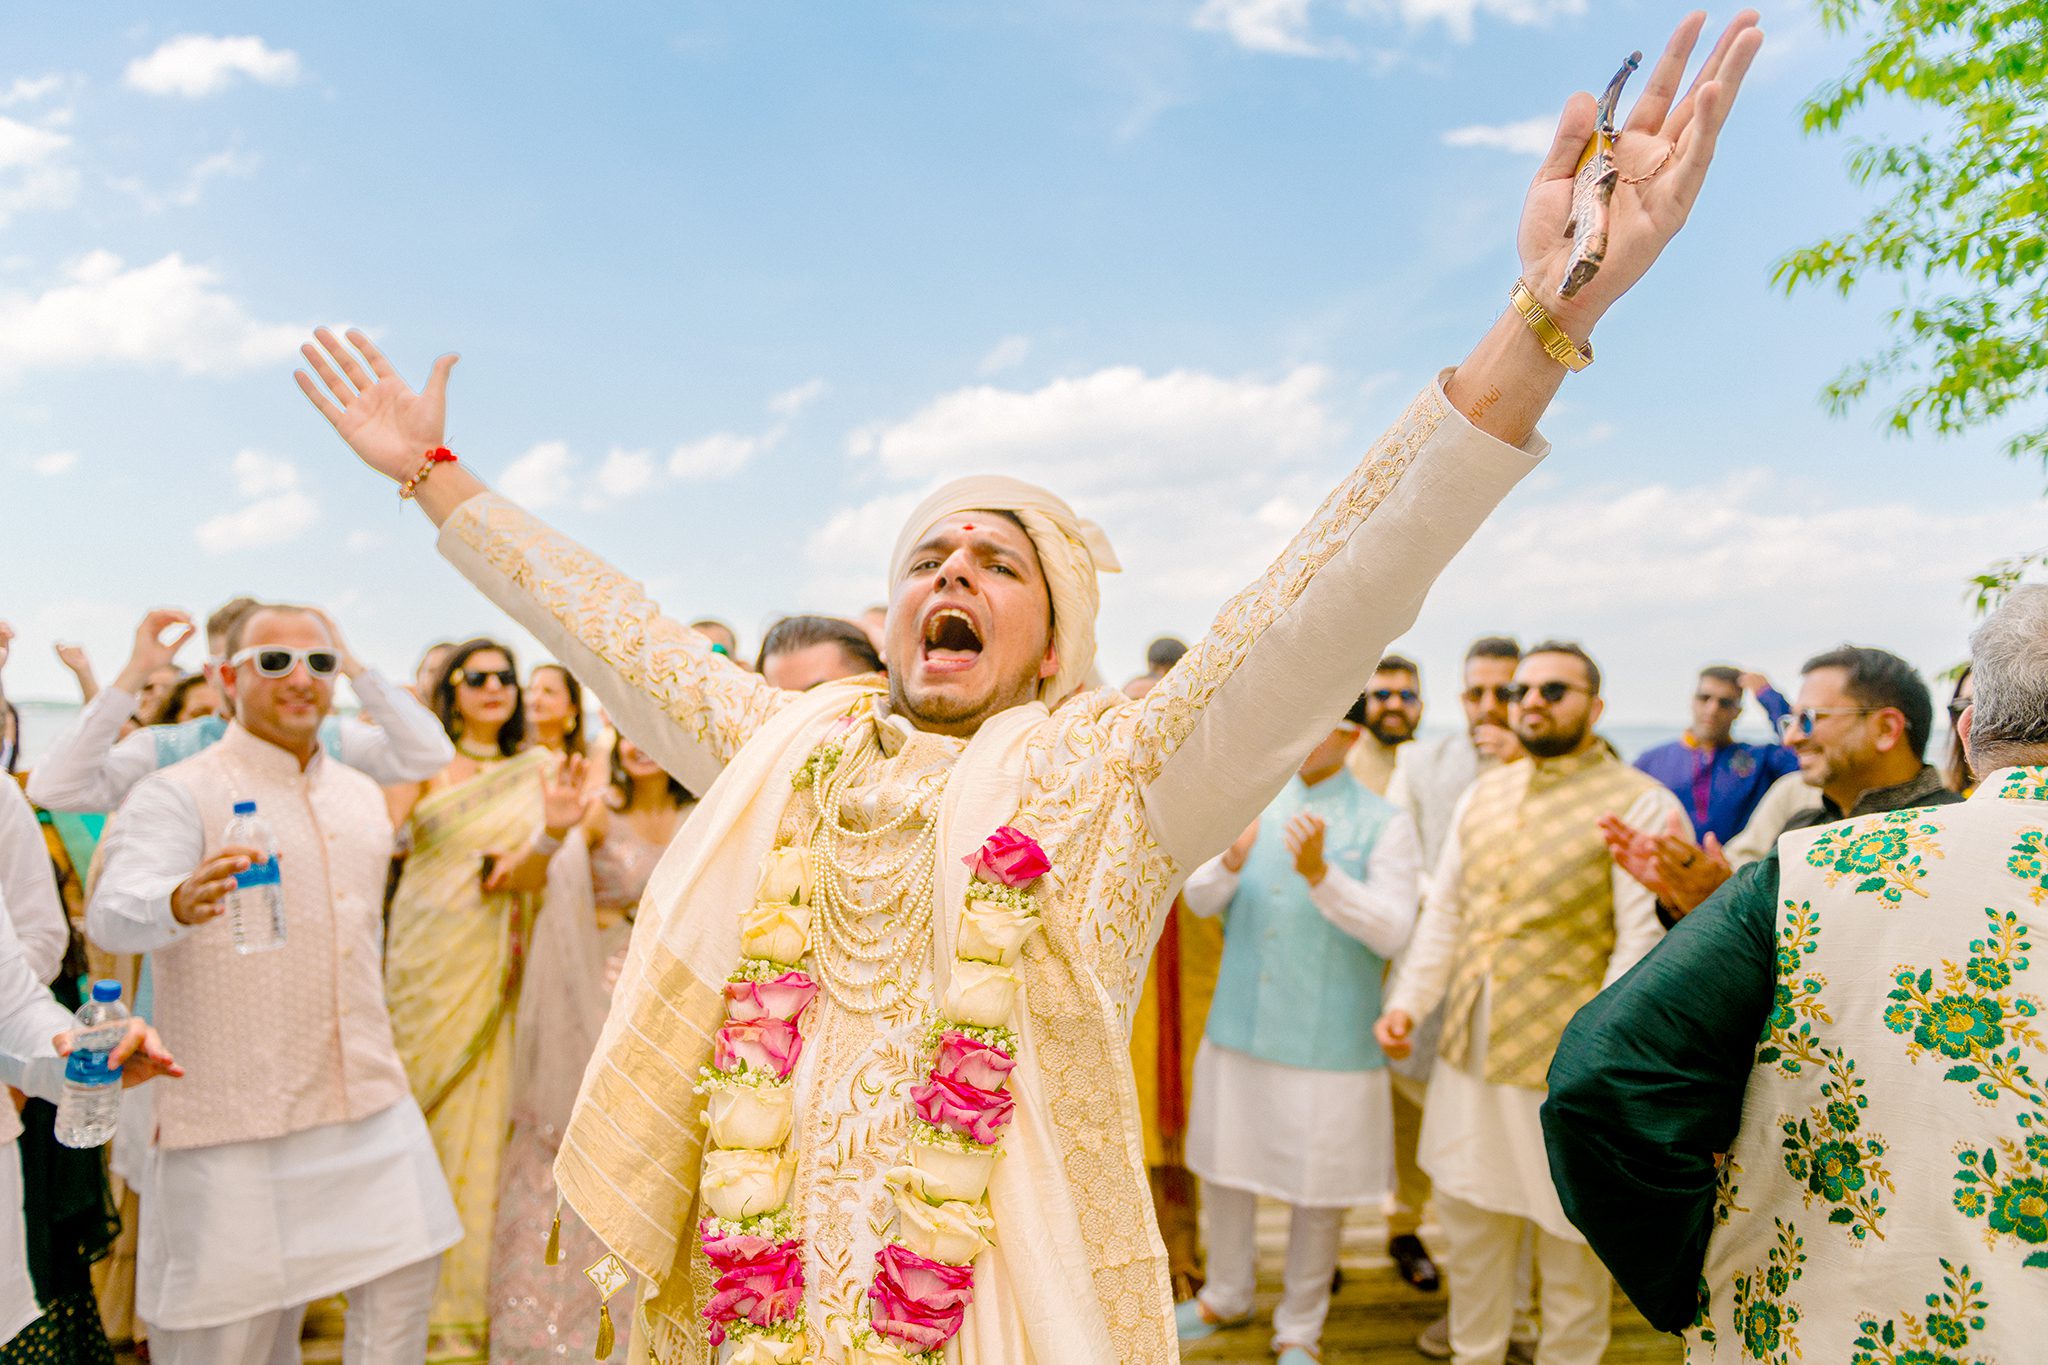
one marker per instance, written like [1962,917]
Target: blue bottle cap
[106,992]
[245,807]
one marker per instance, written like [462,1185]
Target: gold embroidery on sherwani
[1083,785]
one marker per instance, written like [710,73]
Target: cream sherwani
[1126,798]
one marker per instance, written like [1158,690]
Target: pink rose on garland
[786,997]
[726,1250]
[972,1062]
[1010,857]
[764,1044]
[918,1301]
[763,1289]
[965,1109]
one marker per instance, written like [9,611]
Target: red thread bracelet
[438,455]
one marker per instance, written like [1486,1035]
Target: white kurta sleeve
[152,845]
[1636,926]
[663,685]
[85,769]
[30,1018]
[30,886]
[407,744]
[1209,888]
[1378,911]
[1230,723]
[1426,969]
[1786,797]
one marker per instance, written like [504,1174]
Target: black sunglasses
[1406,694]
[1725,703]
[1502,693]
[1958,705]
[1553,692]
[477,677]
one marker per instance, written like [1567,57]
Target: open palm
[1664,146]
[388,425]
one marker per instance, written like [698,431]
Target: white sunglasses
[275,661]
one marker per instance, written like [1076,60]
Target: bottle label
[264,873]
[88,1065]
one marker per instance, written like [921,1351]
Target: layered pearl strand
[863,953]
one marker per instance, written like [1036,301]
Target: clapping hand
[1678,872]
[1662,152]
[565,796]
[1304,836]
[1234,856]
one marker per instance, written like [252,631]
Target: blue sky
[733,283]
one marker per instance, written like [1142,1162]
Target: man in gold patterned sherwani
[838,830]
[1527,916]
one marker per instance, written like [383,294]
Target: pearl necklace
[863,969]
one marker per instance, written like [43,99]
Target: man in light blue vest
[1291,1096]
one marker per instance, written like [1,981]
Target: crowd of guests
[1382,967]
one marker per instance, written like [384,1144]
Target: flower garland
[924,1278]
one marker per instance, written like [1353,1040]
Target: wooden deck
[1376,1316]
[1373,1321]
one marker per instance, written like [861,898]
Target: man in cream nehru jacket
[292,1162]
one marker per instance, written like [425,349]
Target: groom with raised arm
[864,1090]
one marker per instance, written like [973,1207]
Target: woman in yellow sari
[453,960]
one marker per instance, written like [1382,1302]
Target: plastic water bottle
[255,907]
[91,1106]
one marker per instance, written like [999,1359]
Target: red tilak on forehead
[967,526]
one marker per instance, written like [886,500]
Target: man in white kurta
[980,728]
[292,1163]
[33,902]
[1527,918]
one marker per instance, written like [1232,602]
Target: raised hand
[1635,852]
[350,664]
[387,425]
[565,796]
[1690,872]
[1663,152]
[152,650]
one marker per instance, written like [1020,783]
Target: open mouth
[952,641]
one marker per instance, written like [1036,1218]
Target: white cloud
[31,89]
[1274,26]
[24,144]
[1006,354]
[1239,454]
[55,463]
[169,313]
[792,401]
[188,192]
[540,477]
[717,456]
[35,172]
[258,474]
[626,472]
[1459,17]
[267,521]
[1108,427]
[1528,137]
[197,64]
[1284,27]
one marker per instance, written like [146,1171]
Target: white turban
[1071,551]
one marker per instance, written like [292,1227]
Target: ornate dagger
[1593,189]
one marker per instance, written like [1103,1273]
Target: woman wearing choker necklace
[453,956]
